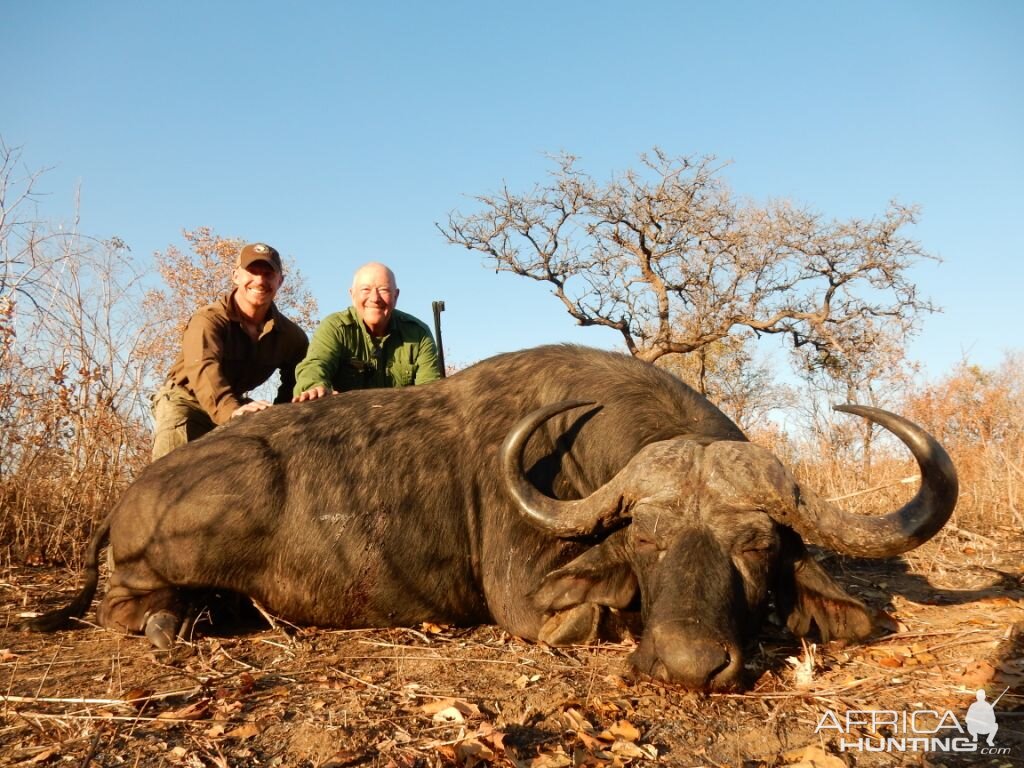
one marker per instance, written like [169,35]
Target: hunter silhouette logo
[919,730]
[981,718]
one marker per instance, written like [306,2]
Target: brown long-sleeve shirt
[220,362]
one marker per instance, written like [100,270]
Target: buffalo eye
[757,549]
[756,553]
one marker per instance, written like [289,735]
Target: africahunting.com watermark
[916,730]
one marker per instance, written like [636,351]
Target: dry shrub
[70,418]
[74,426]
[978,415]
[82,345]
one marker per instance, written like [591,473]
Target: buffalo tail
[62,617]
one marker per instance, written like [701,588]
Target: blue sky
[341,132]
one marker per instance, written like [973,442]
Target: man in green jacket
[370,344]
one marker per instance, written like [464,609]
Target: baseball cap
[259,252]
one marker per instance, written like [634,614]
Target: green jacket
[343,355]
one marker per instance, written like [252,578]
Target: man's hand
[312,393]
[253,407]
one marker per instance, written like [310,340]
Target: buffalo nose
[694,659]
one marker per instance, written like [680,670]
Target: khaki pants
[179,419]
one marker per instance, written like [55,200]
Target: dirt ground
[440,696]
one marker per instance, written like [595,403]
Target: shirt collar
[393,328]
[235,316]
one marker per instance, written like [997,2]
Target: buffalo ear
[600,575]
[813,597]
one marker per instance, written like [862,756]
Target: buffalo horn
[565,519]
[828,525]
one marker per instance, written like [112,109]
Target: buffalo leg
[156,612]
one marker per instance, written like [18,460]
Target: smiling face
[374,295]
[257,284]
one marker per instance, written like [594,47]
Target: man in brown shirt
[229,348]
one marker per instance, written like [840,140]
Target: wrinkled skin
[474,500]
[704,564]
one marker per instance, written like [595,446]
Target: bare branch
[669,257]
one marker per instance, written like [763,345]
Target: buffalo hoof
[573,626]
[161,629]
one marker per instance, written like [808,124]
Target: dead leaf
[627,749]
[6,655]
[138,697]
[246,683]
[555,759]
[247,731]
[812,756]
[194,711]
[623,730]
[605,707]
[489,733]
[892,662]
[343,758]
[976,674]
[592,742]
[575,721]
[618,681]
[464,708]
[471,748]
[523,681]
[225,709]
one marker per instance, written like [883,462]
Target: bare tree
[670,258]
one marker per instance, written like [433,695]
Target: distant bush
[978,415]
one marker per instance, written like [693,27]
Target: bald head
[374,294]
[374,273]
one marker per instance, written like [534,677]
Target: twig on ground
[276,623]
[98,702]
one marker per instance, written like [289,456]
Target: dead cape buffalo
[536,490]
